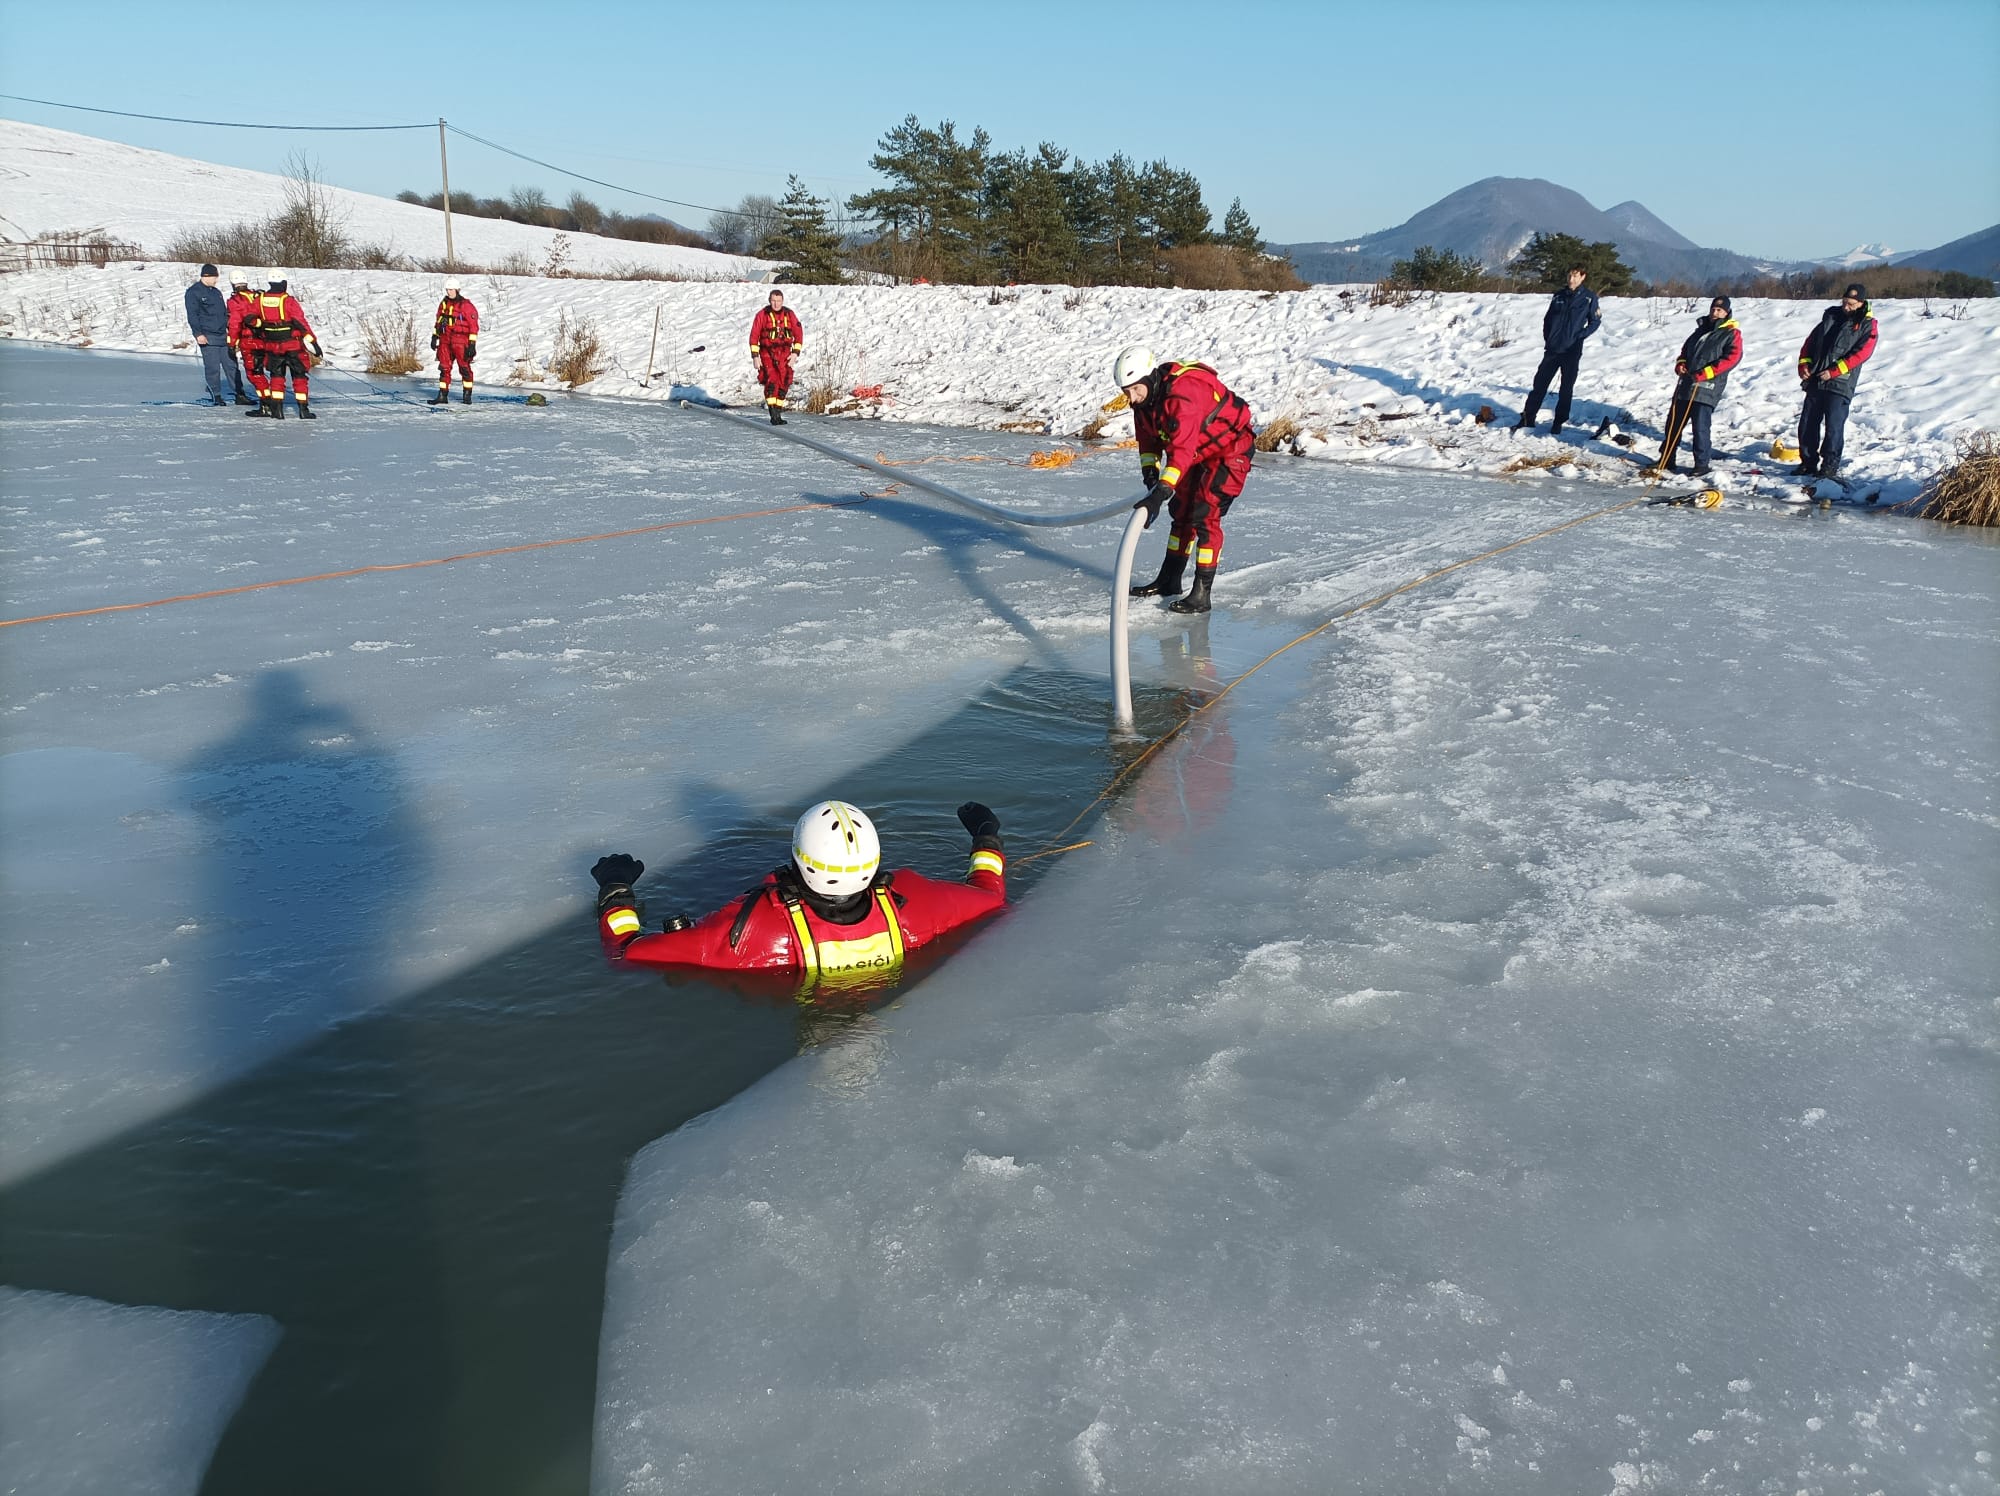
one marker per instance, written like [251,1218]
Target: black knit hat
[207,271]
[1723,302]
[1858,291]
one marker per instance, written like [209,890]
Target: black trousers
[1564,363]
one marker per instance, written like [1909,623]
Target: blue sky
[1779,129]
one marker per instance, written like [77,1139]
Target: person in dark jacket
[1710,352]
[208,320]
[1829,367]
[1572,316]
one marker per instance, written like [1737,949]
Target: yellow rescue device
[1708,498]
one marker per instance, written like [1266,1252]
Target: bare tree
[755,218]
[310,230]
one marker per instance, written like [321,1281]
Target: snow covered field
[1395,387]
[1540,1035]
[57,181]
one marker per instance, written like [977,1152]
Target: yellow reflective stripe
[1841,367]
[1171,475]
[1204,557]
[888,908]
[1152,457]
[1709,372]
[808,948]
[621,921]
[1173,542]
[986,861]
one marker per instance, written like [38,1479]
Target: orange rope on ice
[362,571]
[1361,607]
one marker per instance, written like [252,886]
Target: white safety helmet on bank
[239,278]
[835,849]
[1133,365]
[276,277]
[451,285]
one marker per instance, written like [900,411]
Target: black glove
[618,872]
[434,342]
[1156,496]
[471,352]
[981,825]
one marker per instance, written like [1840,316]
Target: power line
[221,124]
[594,181]
[492,145]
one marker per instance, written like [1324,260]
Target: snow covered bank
[53,181]
[1399,387]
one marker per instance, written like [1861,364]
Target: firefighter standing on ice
[831,916]
[775,336]
[1194,453]
[455,336]
[241,299]
[276,330]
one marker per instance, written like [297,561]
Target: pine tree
[802,238]
[930,211]
[1238,231]
[1547,258]
[1027,209]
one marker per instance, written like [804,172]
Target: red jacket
[240,303]
[774,331]
[456,318]
[771,930]
[276,323]
[1189,418]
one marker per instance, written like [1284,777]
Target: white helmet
[239,277]
[276,278]
[1133,365]
[451,285]
[835,849]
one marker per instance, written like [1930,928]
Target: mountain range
[1492,220]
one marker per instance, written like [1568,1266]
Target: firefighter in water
[832,917]
[775,337]
[282,341]
[241,299]
[455,336]
[1194,453]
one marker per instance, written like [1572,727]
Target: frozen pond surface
[1538,1035]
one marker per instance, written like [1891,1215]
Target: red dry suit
[773,929]
[240,302]
[1194,434]
[275,327]
[775,336]
[457,331]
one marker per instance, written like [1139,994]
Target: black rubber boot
[306,412]
[243,399]
[277,410]
[1197,599]
[1168,582]
[777,417]
[442,397]
[465,396]
[261,408]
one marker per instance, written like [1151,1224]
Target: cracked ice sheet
[1543,1041]
[98,1397]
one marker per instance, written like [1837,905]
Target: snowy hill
[1860,257]
[53,180]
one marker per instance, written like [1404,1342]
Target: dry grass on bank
[1279,431]
[579,352]
[1968,491]
[389,343]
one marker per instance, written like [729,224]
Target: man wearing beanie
[208,320]
[1829,365]
[1710,352]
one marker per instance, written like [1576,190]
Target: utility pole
[444,170]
